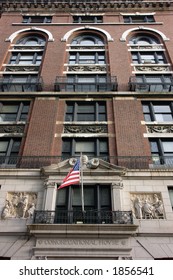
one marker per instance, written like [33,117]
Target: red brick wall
[41,129]
[129,130]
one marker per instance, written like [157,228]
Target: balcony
[71,85]
[130,162]
[150,86]
[9,85]
[86,217]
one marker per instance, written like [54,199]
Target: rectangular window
[148,57]
[87,19]
[97,204]
[13,111]
[21,83]
[28,58]
[91,147]
[86,111]
[154,83]
[9,150]
[87,58]
[158,111]
[170,190]
[162,151]
[37,19]
[138,18]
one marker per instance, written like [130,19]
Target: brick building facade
[90,77]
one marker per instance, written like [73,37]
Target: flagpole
[82,189]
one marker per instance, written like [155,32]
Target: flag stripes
[73,176]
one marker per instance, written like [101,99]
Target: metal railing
[82,217]
[72,85]
[136,85]
[130,162]
[9,85]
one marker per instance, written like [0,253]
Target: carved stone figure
[138,208]
[19,205]
[147,206]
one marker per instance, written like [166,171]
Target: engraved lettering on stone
[81,242]
[19,205]
[147,206]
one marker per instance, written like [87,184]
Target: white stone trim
[15,34]
[127,32]
[69,33]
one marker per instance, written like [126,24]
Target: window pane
[104,196]
[61,197]
[162,108]
[10,109]
[85,146]
[3,146]
[154,147]
[163,117]
[167,146]
[86,109]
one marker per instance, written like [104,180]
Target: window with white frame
[13,111]
[162,150]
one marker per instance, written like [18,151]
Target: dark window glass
[37,19]
[16,111]
[138,18]
[162,151]
[89,111]
[87,19]
[90,147]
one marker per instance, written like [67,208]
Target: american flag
[73,176]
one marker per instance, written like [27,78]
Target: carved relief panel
[19,205]
[147,206]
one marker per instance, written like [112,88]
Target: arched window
[87,68]
[150,64]
[25,56]
[143,39]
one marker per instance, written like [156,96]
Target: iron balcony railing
[130,162]
[73,85]
[66,1]
[9,85]
[82,217]
[141,86]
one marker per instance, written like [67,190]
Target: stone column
[50,195]
[117,187]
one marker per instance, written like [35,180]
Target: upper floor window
[87,40]
[25,58]
[162,150]
[143,39]
[13,111]
[87,19]
[9,150]
[21,83]
[138,18]
[170,190]
[88,146]
[155,83]
[37,19]
[158,111]
[30,40]
[86,111]
[155,57]
[87,58]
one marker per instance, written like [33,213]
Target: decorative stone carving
[49,184]
[152,68]
[87,68]
[147,206]
[147,47]
[22,68]
[19,205]
[118,184]
[93,163]
[85,128]
[11,128]
[160,128]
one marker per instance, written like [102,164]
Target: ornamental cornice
[81,5]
